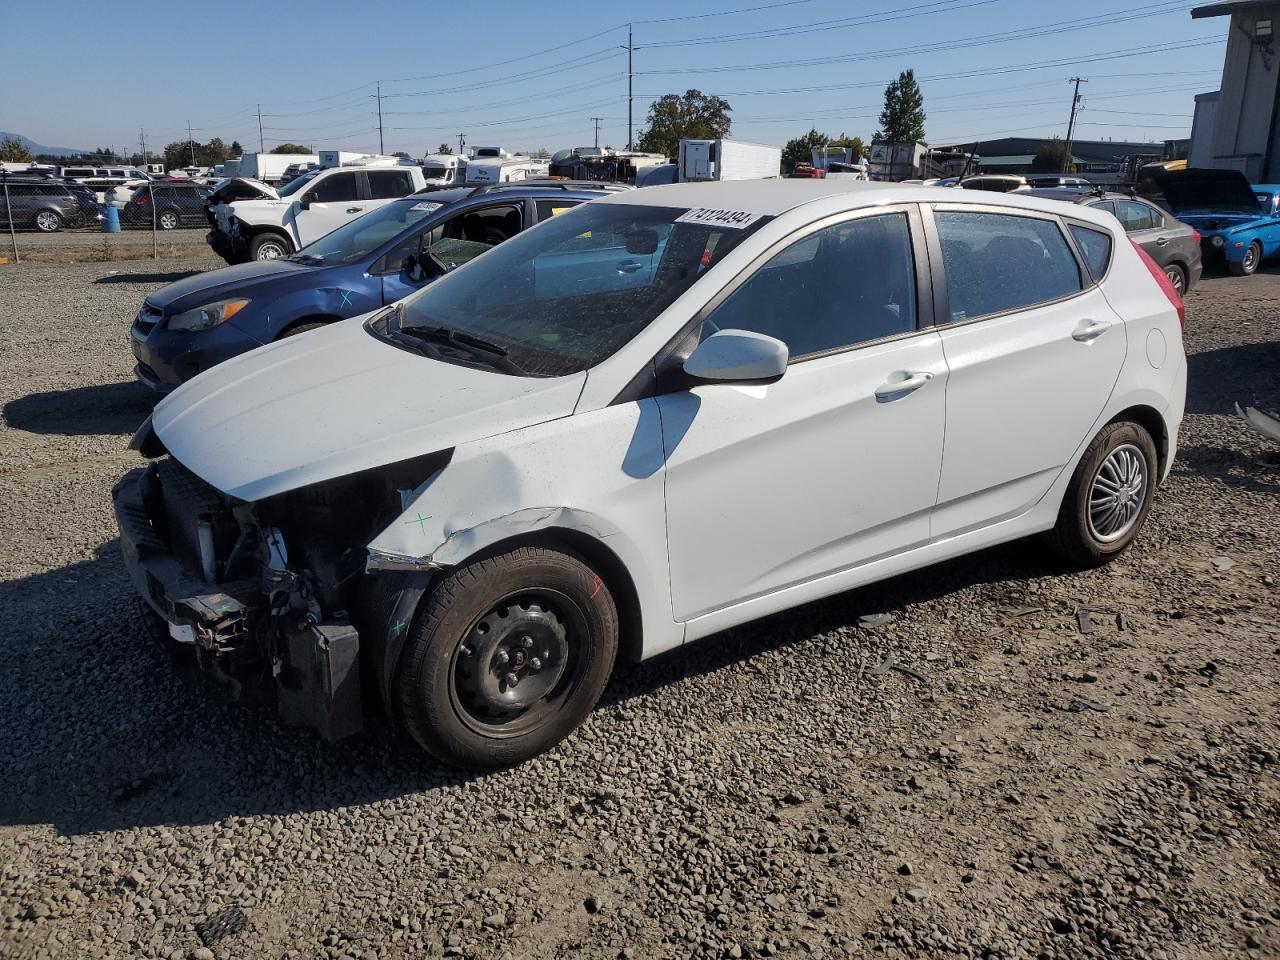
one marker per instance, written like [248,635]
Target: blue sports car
[193,324]
[1239,224]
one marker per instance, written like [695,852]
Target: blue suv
[189,326]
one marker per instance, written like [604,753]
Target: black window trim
[1111,256]
[941,292]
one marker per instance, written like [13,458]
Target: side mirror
[738,356]
[305,203]
[642,243]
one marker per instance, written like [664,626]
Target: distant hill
[39,148]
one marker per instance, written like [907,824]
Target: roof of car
[554,189]
[774,197]
[1067,195]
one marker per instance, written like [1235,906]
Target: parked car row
[562,424]
[46,204]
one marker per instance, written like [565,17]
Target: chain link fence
[35,208]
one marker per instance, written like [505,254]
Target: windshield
[293,186]
[357,238]
[435,170]
[570,293]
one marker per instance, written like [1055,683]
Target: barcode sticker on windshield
[712,217]
[426,205]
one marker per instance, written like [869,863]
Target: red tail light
[1196,234]
[1175,298]
[142,198]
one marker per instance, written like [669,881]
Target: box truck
[270,167]
[727,160]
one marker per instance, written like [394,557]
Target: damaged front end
[279,591]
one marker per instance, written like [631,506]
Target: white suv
[646,420]
[264,224]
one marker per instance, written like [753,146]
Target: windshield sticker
[426,205]
[712,217]
[556,211]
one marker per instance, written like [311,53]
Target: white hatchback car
[653,417]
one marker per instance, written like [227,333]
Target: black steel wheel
[1249,265]
[506,657]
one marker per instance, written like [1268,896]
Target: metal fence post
[8,212]
[155,250]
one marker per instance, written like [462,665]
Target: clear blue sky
[523,78]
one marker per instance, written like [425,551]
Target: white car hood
[335,401]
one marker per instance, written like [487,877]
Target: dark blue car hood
[239,280]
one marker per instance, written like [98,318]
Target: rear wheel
[1109,496]
[1177,278]
[302,328]
[48,222]
[269,246]
[168,220]
[1249,265]
[506,657]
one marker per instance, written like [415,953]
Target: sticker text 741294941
[733,219]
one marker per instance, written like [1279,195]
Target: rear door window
[389,184]
[1137,216]
[997,262]
[1095,247]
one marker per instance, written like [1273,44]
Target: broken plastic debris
[869,620]
[1263,423]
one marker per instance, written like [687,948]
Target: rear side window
[389,184]
[550,208]
[1095,247]
[1138,216]
[998,262]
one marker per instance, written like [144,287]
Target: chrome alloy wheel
[1118,491]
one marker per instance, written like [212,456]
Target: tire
[302,328]
[1092,539]
[1178,277]
[269,246]
[168,220]
[1249,265]
[48,222]
[481,614]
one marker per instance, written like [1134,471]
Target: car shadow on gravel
[126,277]
[112,408]
[102,733]
[1247,373]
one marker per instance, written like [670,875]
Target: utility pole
[631,75]
[596,121]
[262,144]
[381,148]
[191,143]
[142,142]
[1071,124]
[462,143]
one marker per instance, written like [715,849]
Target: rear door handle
[910,382]
[354,209]
[629,266]
[1089,331]
[1162,241]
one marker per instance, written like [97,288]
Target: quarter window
[1095,247]
[996,262]
[843,285]
[339,188]
[389,184]
[550,208]
[1137,216]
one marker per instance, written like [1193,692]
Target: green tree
[290,148]
[902,119]
[444,150]
[13,150]
[177,154]
[855,143]
[1051,158]
[694,115]
[800,150]
[236,149]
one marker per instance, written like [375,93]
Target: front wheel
[506,657]
[1109,496]
[48,222]
[1249,265]
[269,246]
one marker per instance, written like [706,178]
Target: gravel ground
[74,246]
[1035,792]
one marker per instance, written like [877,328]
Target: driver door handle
[1089,331]
[354,209]
[913,381]
[629,266]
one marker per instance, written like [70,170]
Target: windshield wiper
[307,258]
[496,355]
